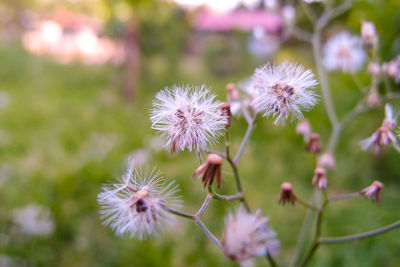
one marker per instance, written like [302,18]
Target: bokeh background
[77,79]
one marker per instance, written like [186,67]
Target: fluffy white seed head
[343,51]
[135,204]
[188,116]
[283,89]
[247,235]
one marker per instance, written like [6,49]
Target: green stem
[305,204]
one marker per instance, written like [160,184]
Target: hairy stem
[208,233]
[235,172]
[345,196]
[246,139]
[330,240]
[316,241]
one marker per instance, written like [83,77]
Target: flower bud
[304,128]
[373,99]
[210,169]
[374,68]
[226,112]
[327,160]
[233,93]
[368,35]
[320,179]
[314,145]
[287,194]
[374,190]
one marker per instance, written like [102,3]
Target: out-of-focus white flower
[247,235]
[33,220]
[368,34]
[282,89]
[343,51]
[135,205]
[289,15]
[188,116]
[383,136]
[374,190]
[313,1]
[271,5]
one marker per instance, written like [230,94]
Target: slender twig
[304,232]
[210,151]
[179,213]
[305,204]
[235,171]
[301,34]
[204,207]
[316,241]
[246,139]
[344,196]
[332,13]
[330,240]
[208,233]
[217,196]
[316,44]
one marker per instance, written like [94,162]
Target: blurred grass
[67,131]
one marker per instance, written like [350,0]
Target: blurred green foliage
[49,141]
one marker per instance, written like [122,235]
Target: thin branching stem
[271,260]
[208,233]
[246,139]
[344,196]
[305,204]
[235,172]
[331,240]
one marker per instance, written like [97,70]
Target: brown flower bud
[320,179]
[314,145]
[287,194]
[210,169]
[374,190]
[226,112]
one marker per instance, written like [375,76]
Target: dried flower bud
[233,93]
[320,179]
[304,128]
[226,112]
[373,99]
[374,68]
[287,194]
[368,35]
[374,190]
[327,160]
[210,169]
[384,135]
[314,145]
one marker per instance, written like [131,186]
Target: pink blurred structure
[69,37]
[241,19]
